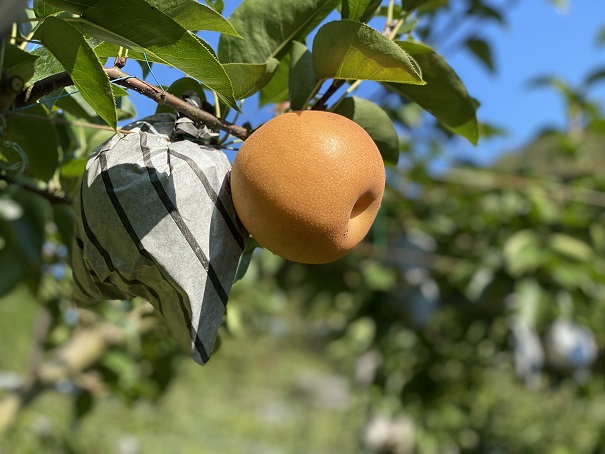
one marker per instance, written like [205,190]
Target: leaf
[194,16]
[482,51]
[571,247]
[177,88]
[528,299]
[422,5]
[72,6]
[301,78]
[246,258]
[444,95]
[595,77]
[83,404]
[29,234]
[248,78]
[376,123]
[18,62]
[125,108]
[68,45]
[522,252]
[37,137]
[352,50]
[277,89]
[43,9]
[46,65]
[144,29]
[217,5]
[360,10]
[601,37]
[269,27]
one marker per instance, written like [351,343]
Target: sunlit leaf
[360,10]
[68,45]
[135,25]
[570,247]
[376,123]
[248,78]
[444,95]
[352,50]
[269,27]
[194,16]
[522,252]
[43,9]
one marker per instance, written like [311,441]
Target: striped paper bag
[154,219]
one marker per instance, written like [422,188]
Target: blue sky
[539,40]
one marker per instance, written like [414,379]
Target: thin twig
[115,74]
[51,197]
[323,101]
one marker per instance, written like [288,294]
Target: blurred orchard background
[470,320]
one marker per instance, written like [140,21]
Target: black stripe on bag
[134,237]
[213,196]
[107,258]
[176,216]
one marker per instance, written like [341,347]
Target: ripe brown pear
[307,185]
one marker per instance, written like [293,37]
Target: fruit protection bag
[154,219]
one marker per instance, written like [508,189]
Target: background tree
[467,321]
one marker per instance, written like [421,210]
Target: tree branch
[116,75]
[51,197]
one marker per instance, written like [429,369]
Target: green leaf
[180,86]
[360,10]
[422,5]
[352,50]
[139,27]
[14,267]
[246,258]
[601,37]
[18,62]
[301,79]
[68,45]
[528,299]
[76,105]
[248,78]
[72,6]
[522,252]
[269,27]
[376,123]
[482,50]
[125,109]
[277,89]
[571,247]
[194,16]
[444,96]
[43,9]
[64,218]
[217,5]
[46,65]
[595,77]
[22,221]
[37,137]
